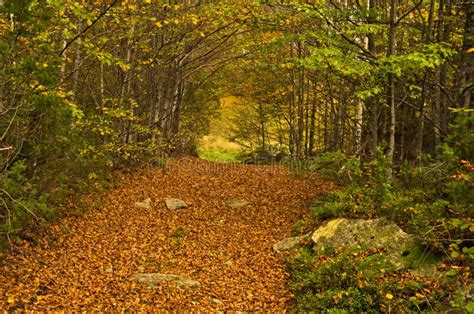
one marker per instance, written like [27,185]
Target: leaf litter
[84,263]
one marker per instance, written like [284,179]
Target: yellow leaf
[11,300]
[147,1]
[389,296]
[470,50]
[158,24]
[89,22]
[125,67]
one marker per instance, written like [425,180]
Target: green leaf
[456,222]
[465,226]
[451,272]
[467,250]
[470,307]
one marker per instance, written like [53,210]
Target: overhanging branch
[72,40]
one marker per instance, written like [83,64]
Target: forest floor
[85,261]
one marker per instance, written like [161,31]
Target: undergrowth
[355,281]
[32,197]
[433,201]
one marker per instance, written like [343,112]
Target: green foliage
[336,165]
[68,119]
[303,226]
[412,62]
[424,199]
[333,205]
[20,200]
[367,189]
[219,155]
[357,281]
[462,137]
[433,201]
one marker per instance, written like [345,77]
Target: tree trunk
[76,68]
[312,124]
[358,127]
[371,102]
[301,96]
[391,86]
[467,56]
[440,102]
[262,126]
[292,139]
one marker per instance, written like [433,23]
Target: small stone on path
[175,204]
[154,279]
[236,203]
[146,204]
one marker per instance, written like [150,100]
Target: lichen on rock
[364,234]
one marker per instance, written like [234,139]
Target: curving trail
[84,263]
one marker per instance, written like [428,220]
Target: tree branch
[408,12]
[69,43]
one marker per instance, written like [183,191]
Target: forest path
[85,262]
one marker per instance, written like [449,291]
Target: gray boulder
[175,204]
[364,234]
[289,243]
[154,279]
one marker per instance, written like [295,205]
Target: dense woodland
[129,79]
[89,87]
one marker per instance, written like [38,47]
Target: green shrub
[303,226]
[20,201]
[337,166]
[359,281]
[433,201]
[422,199]
[461,138]
[31,195]
[334,205]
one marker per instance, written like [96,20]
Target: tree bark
[312,123]
[391,86]
[371,102]
[439,106]
[467,56]
[301,97]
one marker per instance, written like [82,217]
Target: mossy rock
[400,249]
